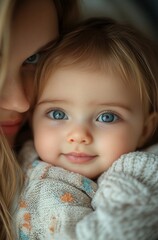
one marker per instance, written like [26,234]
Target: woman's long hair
[5,14]
[11,179]
[10,172]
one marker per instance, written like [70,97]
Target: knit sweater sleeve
[126,202]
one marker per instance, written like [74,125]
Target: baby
[95,109]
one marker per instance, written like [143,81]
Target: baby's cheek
[114,146]
[124,145]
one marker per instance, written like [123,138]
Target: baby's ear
[149,128]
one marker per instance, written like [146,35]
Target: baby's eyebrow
[47,101]
[119,105]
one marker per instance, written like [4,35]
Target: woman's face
[34,25]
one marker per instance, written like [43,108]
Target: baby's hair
[106,45]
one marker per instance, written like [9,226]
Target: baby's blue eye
[57,115]
[107,117]
[32,59]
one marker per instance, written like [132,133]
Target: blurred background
[143,14]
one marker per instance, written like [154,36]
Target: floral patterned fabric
[53,200]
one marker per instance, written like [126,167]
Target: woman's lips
[75,157]
[10,127]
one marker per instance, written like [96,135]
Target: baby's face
[86,120]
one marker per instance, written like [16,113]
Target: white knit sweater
[126,202]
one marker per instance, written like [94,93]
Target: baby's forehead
[130,79]
[111,68]
[128,71]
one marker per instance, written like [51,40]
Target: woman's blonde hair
[11,182]
[5,15]
[10,172]
[11,177]
[106,45]
[9,169]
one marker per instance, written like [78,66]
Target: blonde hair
[104,44]
[10,171]
[11,182]
[5,15]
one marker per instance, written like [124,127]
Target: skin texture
[34,25]
[101,119]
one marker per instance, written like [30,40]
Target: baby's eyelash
[111,112]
